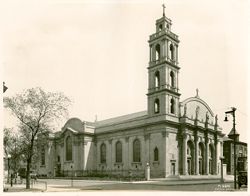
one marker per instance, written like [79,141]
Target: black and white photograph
[123,95]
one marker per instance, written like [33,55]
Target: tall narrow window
[171,47]
[136,151]
[157,106]
[172,79]
[68,149]
[103,153]
[118,152]
[158,52]
[156,154]
[43,156]
[157,79]
[160,27]
[172,106]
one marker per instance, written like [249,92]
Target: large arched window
[157,51]
[103,153]
[171,47]
[68,149]
[157,106]
[156,154]
[172,79]
[136,151]
[157,79]
[118,152]
[172,106]
[43,156]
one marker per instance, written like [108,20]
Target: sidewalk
[39,186]
[187,180]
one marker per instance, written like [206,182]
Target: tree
[37,112]
[12,150]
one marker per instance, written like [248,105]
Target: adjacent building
[228,150]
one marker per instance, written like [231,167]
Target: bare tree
[37,111]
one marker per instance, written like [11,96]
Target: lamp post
[232,112]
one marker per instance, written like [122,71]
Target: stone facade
[228,150]
[171,137]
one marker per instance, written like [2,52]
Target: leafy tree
[37,112]
[12,148]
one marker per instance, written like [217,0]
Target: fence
[135,174]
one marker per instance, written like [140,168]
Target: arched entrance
[190,158]
[211,159]
[201,154]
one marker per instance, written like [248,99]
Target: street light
[232,112]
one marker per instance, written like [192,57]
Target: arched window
[160,27]
[172,79]
[103,153]
[68,149]
[43,156]
[118,152]
[171,47]
[210,151]
[157,106]
[156,154]
[136,151]
[157,79]
[158,51]
[172,106]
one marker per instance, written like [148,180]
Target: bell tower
[163,70]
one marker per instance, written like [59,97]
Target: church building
[171,137]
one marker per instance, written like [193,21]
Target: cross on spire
[163,6]
[197,92]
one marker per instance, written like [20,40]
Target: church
[171,137]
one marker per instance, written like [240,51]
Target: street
[55,185]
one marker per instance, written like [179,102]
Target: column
[215,158]
[111,156]
[196,156]
[184,151]
[163,49]
[165,147]
[207,158]
[176,49]
[167,50]
[127,163]
[147,148]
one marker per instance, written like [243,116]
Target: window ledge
[136,163]
[118,163]
[68,161]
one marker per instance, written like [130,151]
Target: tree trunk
[28,173]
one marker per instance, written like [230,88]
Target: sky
[96,53]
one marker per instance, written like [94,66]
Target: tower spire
[163,6]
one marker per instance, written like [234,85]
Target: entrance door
[210,166]
[200,167]
[189,166]
[172,168]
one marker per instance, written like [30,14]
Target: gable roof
[120,119]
